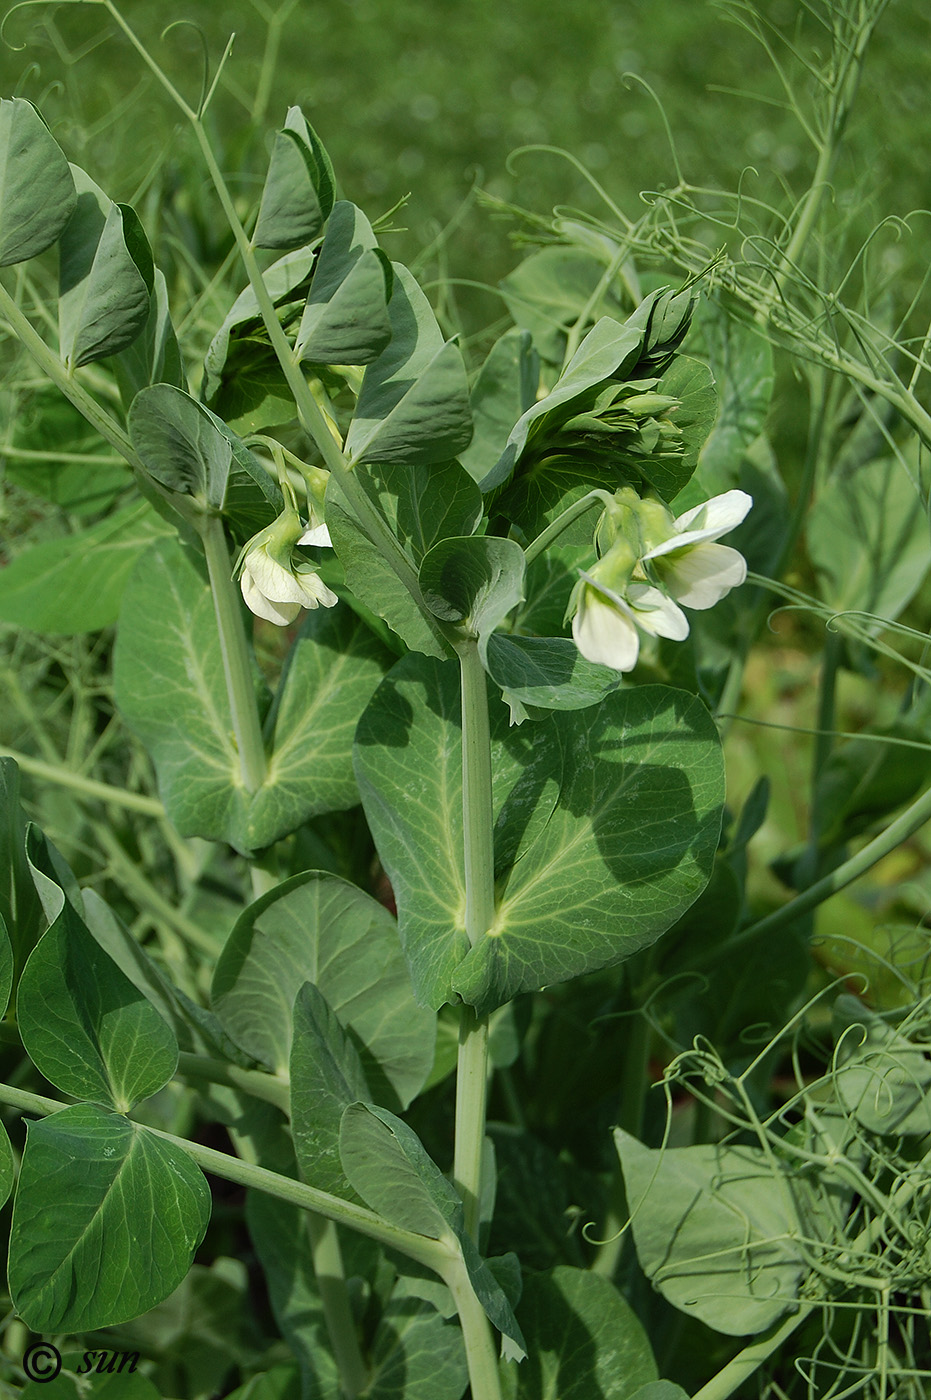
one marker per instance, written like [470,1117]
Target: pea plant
[432,660]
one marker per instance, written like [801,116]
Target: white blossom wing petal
[281,614]
[604,634]
[656,613]
[711,519]
[701,576]
[317,535]
[272,578]
[313,590]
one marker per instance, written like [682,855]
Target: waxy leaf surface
[37,194]
[299,187]
[105,1222]
[614,813]
[320,929]
[88,1029]
[171,689]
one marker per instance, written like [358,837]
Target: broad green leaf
[614,812]
[71,471]
[385,1162]
[868,539]
[180,444]
[254,393]
[505,388]
[691,383]
[103,301]
[660,1390]
[106,1219]
[608,350]
[80,1379]
[170,687]
[549,291]
[85,1026]
[413,406]
[280,1383]
[537,1193]
[253,498]
[416,1355]
[299,187]
[154,356]
[880,1076]
[279,1233]
[422,504]
[741,361]
[719,1238]
[477,579]
[282,282]
[76,584]
[20,907]
[6,966]
[583,1339]
[320,929]
[7,1170]
[548,672]
[326,1077]
[345,319]
[37,194]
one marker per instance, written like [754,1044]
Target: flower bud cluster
[651,565]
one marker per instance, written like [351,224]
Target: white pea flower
[612,611]
[688,564]
[274,584]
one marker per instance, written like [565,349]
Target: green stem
[882,845]
[630,1117]
[237,668]
[250,1081]
[103,792]
[479,872]
[481,1355]
[433,1253]
[561,523]
[54,369]
[337,1310]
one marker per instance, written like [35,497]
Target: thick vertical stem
[484,1377]
[234,647]
[341,1328]
[479,868]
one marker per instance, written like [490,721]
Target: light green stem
[433,1253]
[561,523]
[237,668]
[479,872]
[882,845]
[254,1082]
[341,1328]
[102,792]
[54,369]
[481,1355]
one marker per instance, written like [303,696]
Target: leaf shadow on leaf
[651,787]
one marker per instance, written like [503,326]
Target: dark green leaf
[282,281]
[88,1029]
[550,290]
[103,301]
[320,929]
[506,387]
[345,320]
[154,356]
[299,187]
[614,813]
[20,907]
[75,585]
[413,406]
[475,580]
[718,1237]
[416,1355]
[37,194]
[548,672]
[583,1339]
[180,444]
[326,1077]
[106,1219]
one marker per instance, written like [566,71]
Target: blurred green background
[430,99]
